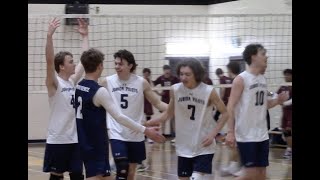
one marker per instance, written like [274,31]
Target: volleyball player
[91,103]
[248,106]
[62,150]
[191,101]
[128,91]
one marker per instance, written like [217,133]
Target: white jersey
[251,110]
[193,118]
[62,123]
[128,95]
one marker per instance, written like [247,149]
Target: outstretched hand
[82,27]
[53,25]
[153,133]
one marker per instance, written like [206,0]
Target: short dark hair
[166,67]
[128,56]
[234,67]
[287,71]
[91,59]
[146,70]
[251,49]
[196,67]
[59,59]
[219,71]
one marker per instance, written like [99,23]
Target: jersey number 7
[193,110]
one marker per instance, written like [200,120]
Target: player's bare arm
[103,83]
[51,79]
[236,91]
[222,91]
[168,114]
[83,31]
[152,97]
[103,98]
[214,98]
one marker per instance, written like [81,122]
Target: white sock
[233,167]
[233,164]
[196,176]
[289,149]
[111,161]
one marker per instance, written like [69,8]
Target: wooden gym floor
[162,163]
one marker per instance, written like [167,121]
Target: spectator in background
[167,79]
[286,122]
[224,92]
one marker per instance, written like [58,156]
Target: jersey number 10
[259,98]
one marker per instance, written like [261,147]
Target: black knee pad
[287,133]
[122,168]
[76,176]
[216,116]
[55,177]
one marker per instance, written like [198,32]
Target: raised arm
[236,91]
[103,98]
[51,79]
[83,31]
[152,97]
[214,98]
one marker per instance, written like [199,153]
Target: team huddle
[88,114]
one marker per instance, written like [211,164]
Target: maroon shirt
[286,88]
[208,81]
[226,80]
[286,110]
[147,105]
[166,82]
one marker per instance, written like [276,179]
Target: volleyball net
[156,40]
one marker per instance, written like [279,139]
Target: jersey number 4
[78,106]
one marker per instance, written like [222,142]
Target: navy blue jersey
[91,121]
